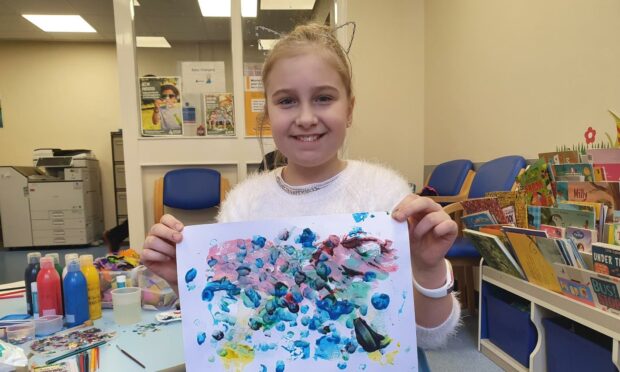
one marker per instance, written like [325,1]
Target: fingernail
[176,237]
[178,226]
[397,215]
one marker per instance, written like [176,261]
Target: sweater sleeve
[437,337]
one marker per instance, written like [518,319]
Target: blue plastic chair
[452,181]
[189,189]
[495,175]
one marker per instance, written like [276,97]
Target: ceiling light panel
[221,8]
[152,42]
[266,44]
[59,23]
[287,4]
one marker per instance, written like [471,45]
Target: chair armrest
[224,188]
[453,208]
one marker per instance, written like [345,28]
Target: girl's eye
[324,99]
[286,101]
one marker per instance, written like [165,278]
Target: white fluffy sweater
[359,187]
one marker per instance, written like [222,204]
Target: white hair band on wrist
[442,291]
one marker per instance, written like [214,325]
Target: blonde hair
[298,41]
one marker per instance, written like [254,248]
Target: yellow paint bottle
[92,283]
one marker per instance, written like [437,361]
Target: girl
[309,103]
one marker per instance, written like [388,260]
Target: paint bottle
[30,276]
[121,281]
[57,265]
[48,285]
[92,282]
[76,294]
[35,299]
[68,258]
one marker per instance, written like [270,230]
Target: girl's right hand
[159,250]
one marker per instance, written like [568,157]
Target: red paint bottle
[48,284]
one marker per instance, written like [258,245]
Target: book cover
[575,283]
[604,156]
[494,252]
[536,183]
[515,199]
[606,291]
[583,238]
[550,249]
[560,217]
[599,192]
[583,171]
[599,173]
[160,102]
[553,231]
[613,233]
[219,114]
[472,206]
[476,220]
[559,157]
[611,171]
[535,266]
[606,259]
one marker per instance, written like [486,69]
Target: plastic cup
[127,307]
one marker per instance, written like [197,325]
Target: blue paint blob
[356,231]
[280,289]
[364,310]
[243,270]
[335,308]
[212,262]
[304,309]
[217,335]
[251,298]
[255,324]
[305,348]
[307,238]
[370,276]
[322,270]
[328,347]
[279,366]
[284,235]
[219,285]
[259,241]
[380,301]
[263,368]
[201,338]
[190,275]
[342,365]
[280,327]
[259,263]
[273,256]
[359,217]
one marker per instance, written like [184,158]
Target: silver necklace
[306,189]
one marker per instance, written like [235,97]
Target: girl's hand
[431,234]
[159,250]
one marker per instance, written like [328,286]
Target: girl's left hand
[431,230]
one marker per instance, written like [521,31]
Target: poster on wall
[328,294]
[254,93]
[161,111]
[219,115]
[203,77]
[192,115]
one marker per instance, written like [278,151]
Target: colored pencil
[130,357]
[75,352]
[11,296]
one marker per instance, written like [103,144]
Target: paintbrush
[75,352]
[130,357]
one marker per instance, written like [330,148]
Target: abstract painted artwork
[327,293]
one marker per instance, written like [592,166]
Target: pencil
[75,352]
[130,357]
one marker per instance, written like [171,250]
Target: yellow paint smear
[386,359]
[235,357]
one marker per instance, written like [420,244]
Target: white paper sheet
[326,293]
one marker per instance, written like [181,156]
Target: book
[604,156]
[553,231]
[520,230]
[472,206]
[536,183]
[161,111]
[580,171]
[515,199]
[571,252]
[575,283]
[599,192]
[606,259]
[559,157]
[583,238]
[535,266]
[494,252]
[612,233]
[550,249]
[219,114]
[611,171]
[540,215]
[476,220]
[606,291]
[68,365]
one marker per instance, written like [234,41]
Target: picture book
[219,114]
[599,173]
[606,259]
[577,171]
[604,156]
[613,233]
[474,221]
[161,105]
[599,192]
[536,183]
[583,238]
[553,231]
[515,199]
[606,291]
[574,255]
[575,283]
[611,171]
[535,266]
[324,293]
[550,249]
[530,232]
[582,206]
[560,217]
[561,157]
[494,252]
[472,206]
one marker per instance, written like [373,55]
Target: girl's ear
[350,113]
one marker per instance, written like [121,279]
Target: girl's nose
[306,117]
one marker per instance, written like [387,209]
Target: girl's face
[308,110]
[169,96]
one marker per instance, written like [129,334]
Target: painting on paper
[326,293]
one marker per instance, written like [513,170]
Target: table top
[158,348]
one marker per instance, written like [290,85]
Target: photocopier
[56,202]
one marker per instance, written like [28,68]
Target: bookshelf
[544,304]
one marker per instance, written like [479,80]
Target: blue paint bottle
[30,276]
[76,295]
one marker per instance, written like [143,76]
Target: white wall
[388,69]
[518,77]
[62,95]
